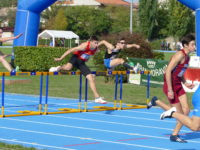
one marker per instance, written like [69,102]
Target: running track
[137,129]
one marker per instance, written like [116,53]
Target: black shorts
[80,64]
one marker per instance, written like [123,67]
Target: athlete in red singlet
[173,80]
[80,55]
[85,55]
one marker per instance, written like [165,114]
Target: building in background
[114,2]
[97,3]
[78,3]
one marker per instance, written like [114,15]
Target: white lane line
[125,124]
[108,122]
[122,116]
[111,122]
[95,129]
[35,96]
[85,138]
[34,144]
[78,127]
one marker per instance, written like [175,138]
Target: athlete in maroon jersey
[173,80]
[177,76]
[80,55]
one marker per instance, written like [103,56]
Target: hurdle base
[69,109]
[100,108]
[23,113]
[130,106]
[30,112]
[63,111]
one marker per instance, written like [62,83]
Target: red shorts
[178,91]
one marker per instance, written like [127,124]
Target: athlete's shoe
[15,70]
[100,100]
[136,68]
[176,138]
[152,102]
[54,69]
[168,113]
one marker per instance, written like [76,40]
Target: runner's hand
[16,37]
[57,59]
[170,94]
[189,85]
[137,46]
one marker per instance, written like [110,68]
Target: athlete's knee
[186,110]
[1,58]
[65,68]
[90,77]
[121,60]
[195,127]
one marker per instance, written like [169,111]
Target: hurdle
[117,105]
[24,112]
[118,102]
[63,110]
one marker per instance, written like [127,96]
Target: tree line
[153,20]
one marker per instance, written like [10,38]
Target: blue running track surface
[136,129]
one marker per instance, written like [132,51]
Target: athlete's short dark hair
[93,38]
[187,39]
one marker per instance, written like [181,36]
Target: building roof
[113,2]
[93,2]
[79,3]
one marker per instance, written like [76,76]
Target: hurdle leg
[86,95]
[46,99]
[80,92]
[121,90]
[116,90]
[41,86]
[148,88]
[3,96]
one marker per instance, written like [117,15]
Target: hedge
[38,58]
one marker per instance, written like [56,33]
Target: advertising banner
[156,68]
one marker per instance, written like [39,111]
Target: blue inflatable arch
[28,20]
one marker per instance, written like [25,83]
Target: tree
[11,17]
[120,18]
[181,19]
[60,21]
[48,16]
[162,17]
[147,17]
[8,3]
[87,21]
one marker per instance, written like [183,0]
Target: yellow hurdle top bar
[98,73]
